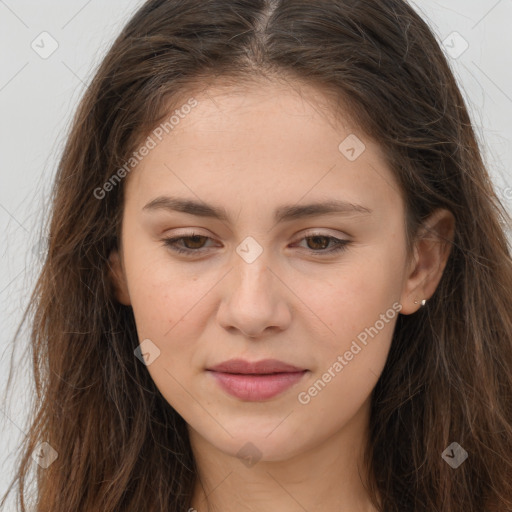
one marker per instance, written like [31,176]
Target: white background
[38,97]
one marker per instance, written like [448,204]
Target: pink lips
[256,381]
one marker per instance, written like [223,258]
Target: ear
[118,277]
[430,255]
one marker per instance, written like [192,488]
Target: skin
[250,150]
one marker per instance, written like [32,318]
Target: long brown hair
[448,377]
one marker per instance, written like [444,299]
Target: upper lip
[264,366]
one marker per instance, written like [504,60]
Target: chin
[252,444]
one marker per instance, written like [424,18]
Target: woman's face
[265,182]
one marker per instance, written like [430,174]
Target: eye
[193,243]
[318,243]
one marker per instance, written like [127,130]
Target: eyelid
[319,232]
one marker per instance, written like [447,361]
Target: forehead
[261,143]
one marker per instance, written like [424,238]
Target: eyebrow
[282,214]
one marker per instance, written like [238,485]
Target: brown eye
[186,244]
[197,241]
[319,242]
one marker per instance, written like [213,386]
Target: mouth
[256,381]
[265,366]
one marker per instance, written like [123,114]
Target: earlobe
[118,278]
[431,252]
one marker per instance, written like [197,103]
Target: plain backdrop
[49,51]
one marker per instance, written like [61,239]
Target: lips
[266,366]
[256,381]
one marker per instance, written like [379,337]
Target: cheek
[170,310]
[353,297]
[164,294]
[360,305]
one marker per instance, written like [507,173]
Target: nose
[254,300]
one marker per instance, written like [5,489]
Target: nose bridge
[251,300]
[253,277]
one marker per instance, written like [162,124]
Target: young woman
[277,276]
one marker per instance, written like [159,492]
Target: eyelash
[340,245]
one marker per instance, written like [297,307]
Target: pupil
[316,238]
[195,239]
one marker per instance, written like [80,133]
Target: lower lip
[257,387]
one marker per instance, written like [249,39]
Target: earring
[423,302]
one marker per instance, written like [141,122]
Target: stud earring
[423,302]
